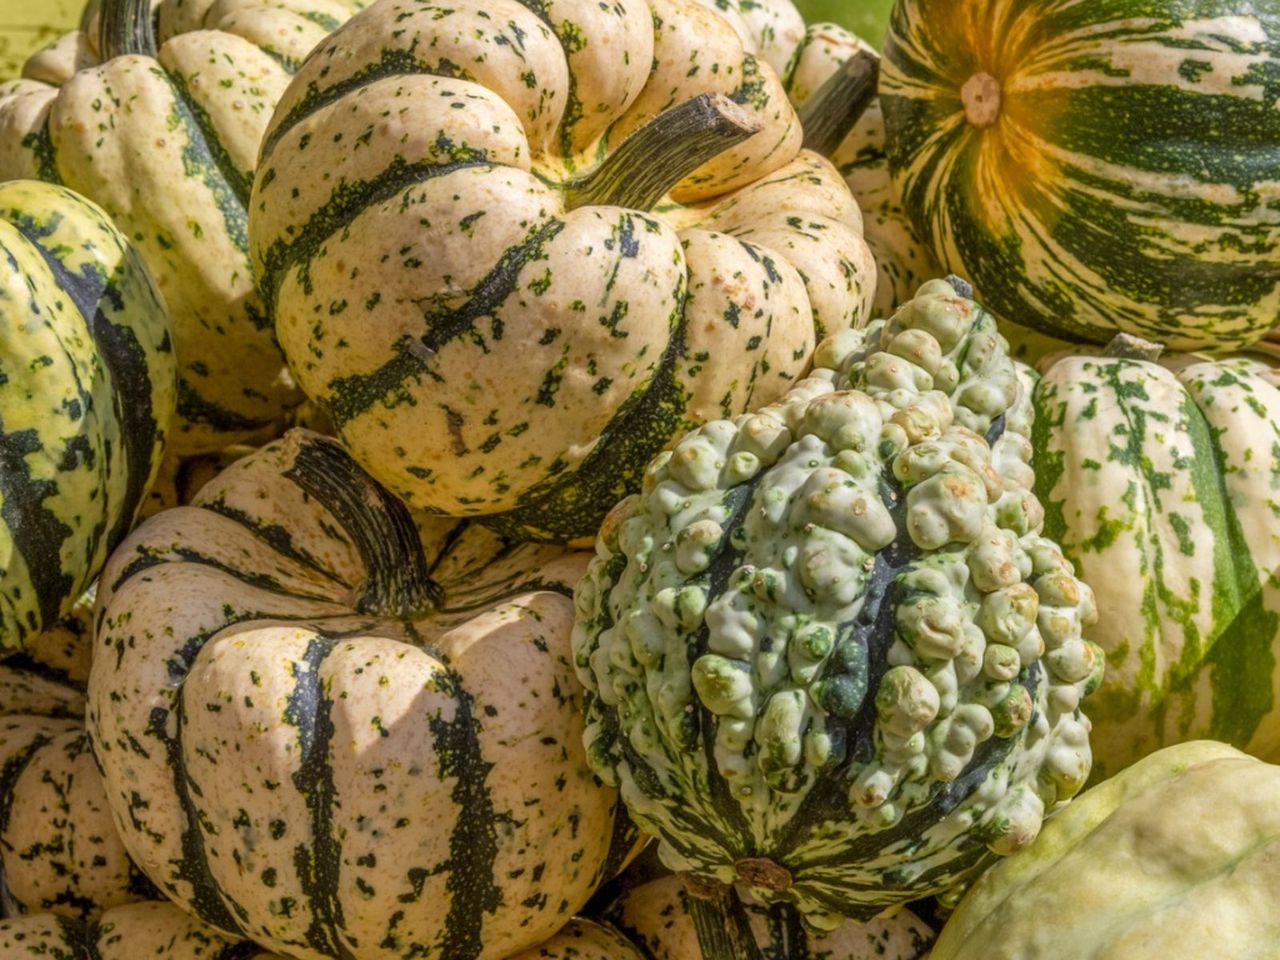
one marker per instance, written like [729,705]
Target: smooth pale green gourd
[1095,167]
[498,322]
[1159,480]
[86,399]
[1173,857]
[829,654]
[150,929]
[337,734]
[165,137]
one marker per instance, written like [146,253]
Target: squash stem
[724,930]
[654,159]
[378,524]
[829,116]
[125,28]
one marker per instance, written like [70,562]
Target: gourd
[829,654]
[1157,476]
[86,397]
[59,850]
[459,220]
[660,917]
[165,141]
[1094,168]
[335,734]
[149,929]
[1173,857]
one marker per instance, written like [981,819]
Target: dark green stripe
[355,395]
[346,202]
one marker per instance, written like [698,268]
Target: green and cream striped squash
[455,227]
[86,399]
[658,917]
[1095,167]
[1160,481]
[165,140]
[154,930]
[829,654]
[1173,857]
[59,849]
[337,735]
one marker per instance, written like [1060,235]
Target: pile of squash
[506,479]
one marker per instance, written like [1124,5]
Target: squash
[584,940]
[59,850]
[165,140]
[1158,479]
[459,220]
[659,916]
[1095,167]
[1173,857]
[86,397]
[829,655]
[152,929]
[327,731]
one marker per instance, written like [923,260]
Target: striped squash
[453,221]
[86,399]
[1159,480]
[829,655]
[59,849]
[326,734]
[658,917]
[165,141]
[155,930]
[1093,166]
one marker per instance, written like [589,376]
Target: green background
[27,25]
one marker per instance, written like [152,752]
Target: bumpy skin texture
[86,397]
[166,143]
[657,916]
[1095,167]
[340,736]
[1173,857]
[1159,479]
[142,930]
[828,652]
[482,348]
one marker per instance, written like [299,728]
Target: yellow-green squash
[86,399]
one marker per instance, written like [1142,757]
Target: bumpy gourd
[459,217]
[153,929]
[829,654]
[1095,167]
[1157,474]
[165,140]
[86,398]
[1173,857]
[338,735]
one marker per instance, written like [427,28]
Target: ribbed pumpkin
[452,220]
[166,142]
[1159,480]
[829,655]
[1174,857]
[1095,167]
[659,917]
[86,398]
[153,930]
[326,734]
[59,849]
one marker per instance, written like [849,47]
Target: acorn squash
[86,399]
[459,220]
[1173,857]
[165,140]
[1158,477]
[1095,167]
[338,735]
[829,655]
